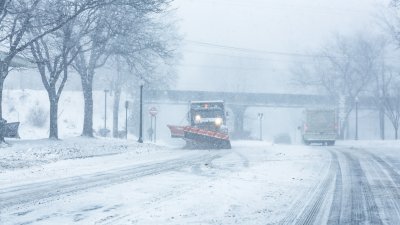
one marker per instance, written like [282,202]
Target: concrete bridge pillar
[238,120]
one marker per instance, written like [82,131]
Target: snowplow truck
[207,126]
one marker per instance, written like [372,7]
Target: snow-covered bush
[37,116]
[104,132]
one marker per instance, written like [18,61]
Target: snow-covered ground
[19,105]
[109,181]
[104,181]
[83,182]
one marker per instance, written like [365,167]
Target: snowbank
[27,153]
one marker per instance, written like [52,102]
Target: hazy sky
[259,29]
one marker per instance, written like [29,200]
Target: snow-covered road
[254,183]
[362,186]
[17,195]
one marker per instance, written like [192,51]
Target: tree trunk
[1,106]
[117,98]
[53,116]
[88,113]
[382,123]
[396,129]
[1,96]
[3,74]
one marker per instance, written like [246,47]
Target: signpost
[153,114]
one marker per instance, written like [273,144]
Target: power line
[217,67]
[248,57]
[278,8]
[276,53]
[248,50]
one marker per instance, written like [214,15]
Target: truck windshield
[208,113]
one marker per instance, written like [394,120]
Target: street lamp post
[141,113]
[260,117]
[356,101]
[105,108]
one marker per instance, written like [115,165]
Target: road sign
[153,111]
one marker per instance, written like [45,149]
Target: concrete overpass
[18,61]
[239,102]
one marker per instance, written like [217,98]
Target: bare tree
[147,54]
[389,82]
[16,19]
[127,78]
[52,54]
[108,27]
[344,68]
[380,87]
[387,94]
[391,102]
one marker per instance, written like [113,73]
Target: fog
[199,112]
[259,30]
[232,46]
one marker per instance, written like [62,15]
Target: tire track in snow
[387,181]
[363,206]
[335,212]
[43,191]
[395,176]
[306,212]
[344,194]
[171,194]
[314,207]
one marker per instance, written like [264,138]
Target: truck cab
[208,115]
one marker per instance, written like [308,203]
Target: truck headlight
[218,121]
[197,118]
